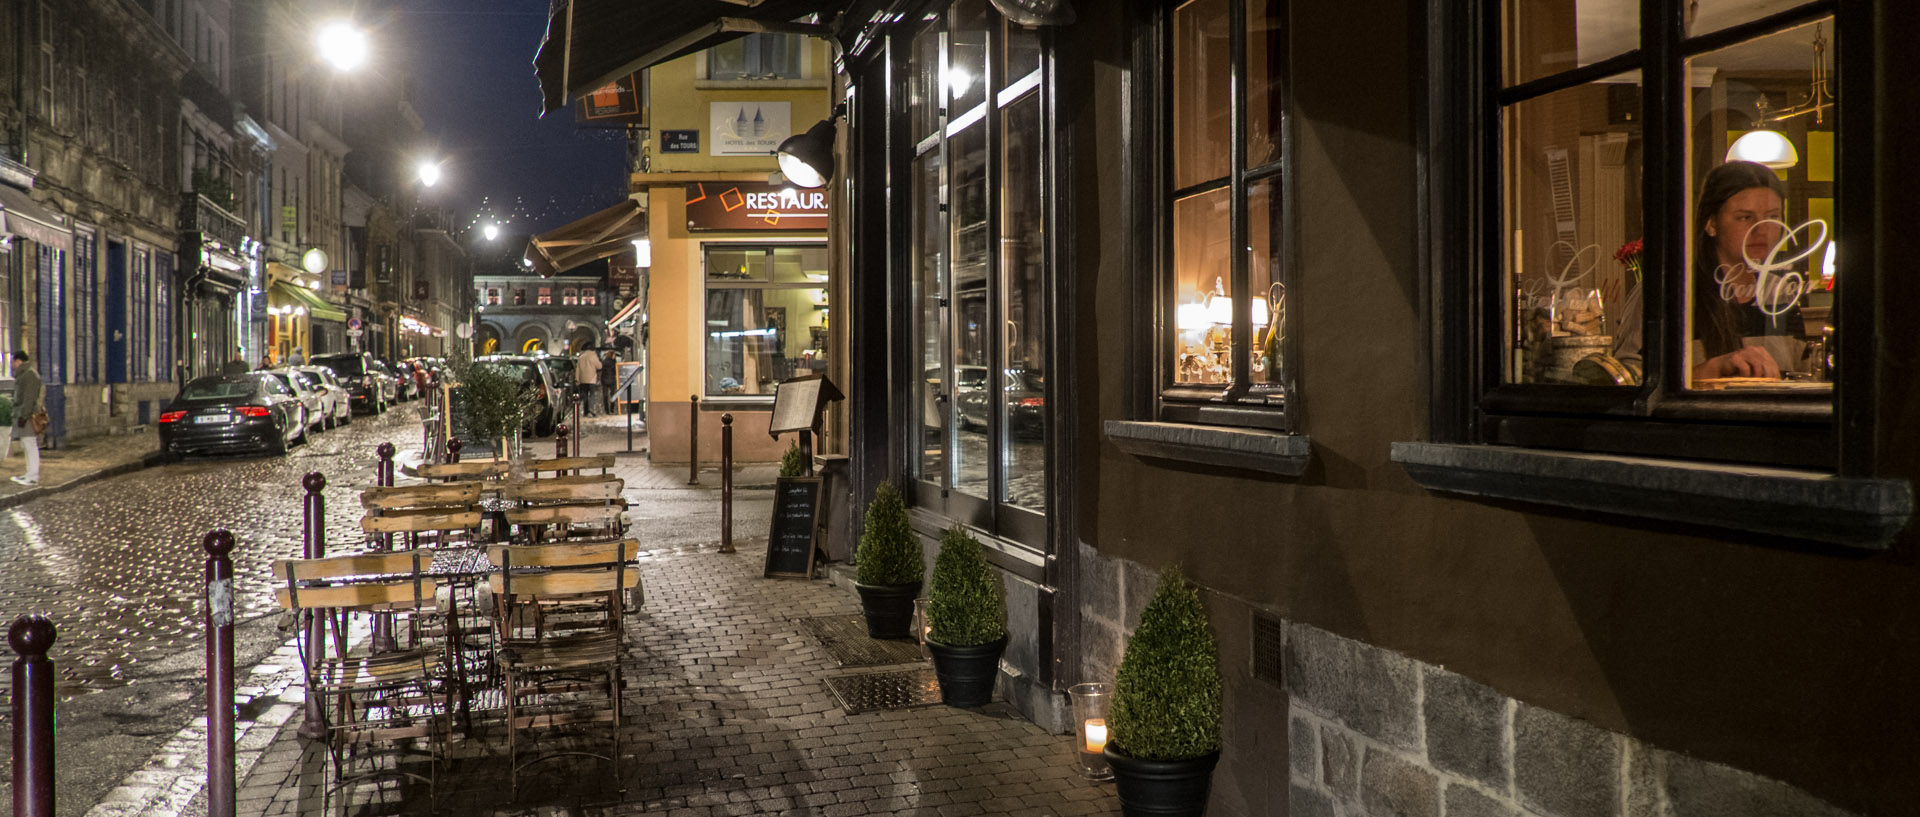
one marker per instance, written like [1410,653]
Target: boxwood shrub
[1166,696]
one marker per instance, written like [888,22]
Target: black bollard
[726,483]
[578,429]
[693,442]
[383,470]
[453,451]
[560,440]
[220,771]
[31,637]
[313,535]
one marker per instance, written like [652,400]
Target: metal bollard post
[560,440]
[693,443]
[220,769]
[453,451]
[313,534]
[726,483]
[383,470]
[578,429]
[31,637]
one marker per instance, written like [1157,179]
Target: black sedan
[240,412]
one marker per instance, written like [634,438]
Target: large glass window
[1678,249]
[981,342]
[1226,289]
[766,316]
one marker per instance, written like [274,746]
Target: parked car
[534,371]
[338,402]
[407,385]
[310,397]
[223,413]
[369,384]
[1025,395]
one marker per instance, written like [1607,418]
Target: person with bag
[29,417]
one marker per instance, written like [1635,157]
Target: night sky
[472,68]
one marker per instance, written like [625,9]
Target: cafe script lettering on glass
[749,206]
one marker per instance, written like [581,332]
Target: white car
[311,399]
[336,401]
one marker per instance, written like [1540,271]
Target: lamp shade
[1764,147]
[807,159]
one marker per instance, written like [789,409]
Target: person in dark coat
[609,374]
[28,399]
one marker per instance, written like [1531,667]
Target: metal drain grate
[845,638]
[883,691]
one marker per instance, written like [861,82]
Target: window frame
[1239,402]
[1464,236]
[709,284]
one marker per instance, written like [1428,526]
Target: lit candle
[1096,735]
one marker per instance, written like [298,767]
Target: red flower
[1629,256]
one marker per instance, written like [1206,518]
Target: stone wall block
[1393,787]
[1102,644]
[1369,689]
[1697,788]
[1305,802]
[1303,754]
[1464,801]
[1646,782]
[1466,728]
[1340,762]
[1565,767]
[1099,584]
[1140,581]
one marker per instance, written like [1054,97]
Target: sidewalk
[729,708]
[76,463]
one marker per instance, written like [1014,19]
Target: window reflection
[1023,400]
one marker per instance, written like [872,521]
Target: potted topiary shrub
[967,621]
[889,565]
[793,463]
[1166,706]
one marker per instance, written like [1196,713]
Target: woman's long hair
[1716,321]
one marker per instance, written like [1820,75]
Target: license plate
[211,418]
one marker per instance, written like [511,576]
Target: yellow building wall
[680,101]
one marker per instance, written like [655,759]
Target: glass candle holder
[921,626]
[1090,702]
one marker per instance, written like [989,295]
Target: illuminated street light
[342,45]
[491,231]
[429,173]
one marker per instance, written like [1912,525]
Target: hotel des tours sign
[754,206]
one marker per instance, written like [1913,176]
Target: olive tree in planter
[1166,706]
[890,568]
[967,621]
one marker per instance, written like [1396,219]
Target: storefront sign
[420,291]
[749,128]
[680,141]
[754,206]
[624,278]
[617,102]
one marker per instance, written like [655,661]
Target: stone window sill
[1808,505]
[1251,450]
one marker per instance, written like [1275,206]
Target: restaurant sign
[748,128]
[754,206]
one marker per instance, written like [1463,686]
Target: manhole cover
[881,691]
[845,638]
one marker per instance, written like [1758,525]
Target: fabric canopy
[590,43]
[316,308]
[597,236]
[626,313]
[22,216]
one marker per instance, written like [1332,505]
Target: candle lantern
[922,626]
[1090,702]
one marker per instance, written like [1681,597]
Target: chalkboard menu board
[790,540]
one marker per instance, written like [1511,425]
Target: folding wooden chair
[565,466]
[369,699]
[594,491]
[557,677]
[438,495]
[594,521]
[439,527]
[472,470]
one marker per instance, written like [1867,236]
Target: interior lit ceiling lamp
[1036,12]
[1770,147]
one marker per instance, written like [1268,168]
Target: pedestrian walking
[28,403]
[238,365]
[586,375]
[609,374]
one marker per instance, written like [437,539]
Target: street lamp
[342,45]
[429,172]
[491,231]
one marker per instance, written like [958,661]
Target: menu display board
[791,538]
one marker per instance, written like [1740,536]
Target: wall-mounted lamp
[807,159]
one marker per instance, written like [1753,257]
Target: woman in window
[1739,328]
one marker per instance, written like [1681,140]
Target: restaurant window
[588,297]
[1225,300]
[1666,255]
[493,296]
[766,316]
[544,296]
[569,297]
[978,272]
[757,56]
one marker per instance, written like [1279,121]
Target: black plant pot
[889,608]
[967,673]
[1161,787]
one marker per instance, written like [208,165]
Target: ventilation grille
[1269,647]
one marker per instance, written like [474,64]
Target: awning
[626,313]
[597,236]
[22,216]
[317,308]
[590,43]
